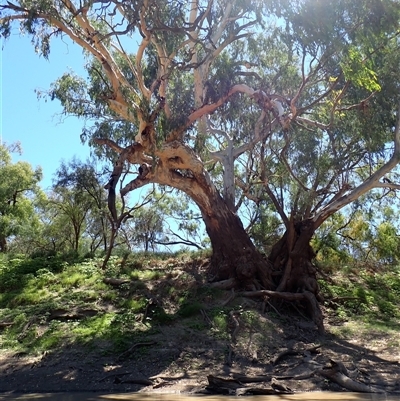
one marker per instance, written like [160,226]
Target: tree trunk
[234,254]
[110,248]
[294,272]
[292,258]
[235,261]
[3,244]
[76,238]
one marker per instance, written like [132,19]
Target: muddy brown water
[312,396]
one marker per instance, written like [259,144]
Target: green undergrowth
[42,299]
[364,297]
[51,302]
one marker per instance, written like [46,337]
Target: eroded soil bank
[179,359]
[210,342]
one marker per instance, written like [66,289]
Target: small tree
[72,208]
[85,179]
[148,227]
[18,184]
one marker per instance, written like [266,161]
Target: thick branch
[210,108]
[367,185]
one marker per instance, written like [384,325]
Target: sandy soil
[179,359]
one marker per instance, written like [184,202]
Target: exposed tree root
[127,352]
[307,296]
[224,284]
[291,296]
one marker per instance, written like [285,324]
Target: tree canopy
[290,106]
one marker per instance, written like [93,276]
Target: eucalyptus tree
[346,146]
[71,207]
[148,228]
[224,99]
[86,178]
[18,186]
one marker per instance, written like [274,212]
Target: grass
[32,288]
[161,292]
[367,301]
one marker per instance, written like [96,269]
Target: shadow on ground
[185,332]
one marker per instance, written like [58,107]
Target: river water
[313,396]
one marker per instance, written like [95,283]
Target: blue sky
[45,139]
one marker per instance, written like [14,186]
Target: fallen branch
[25,329]
[259,391]
[3,325]
[232,386]
[115,282]
[339,374]
[226,382]
[251,379]
[347,383]
[287,352]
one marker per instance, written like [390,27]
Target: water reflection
[314,396]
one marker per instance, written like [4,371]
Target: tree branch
[367,185]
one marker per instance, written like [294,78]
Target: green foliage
[135,305]
[387,242]
[369,294]
[18,186]
[188,309]
[48,284]
[220,321]
[356,70]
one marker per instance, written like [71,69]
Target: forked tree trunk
[235,261]
[292,259]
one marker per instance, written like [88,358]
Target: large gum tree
[223,99]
